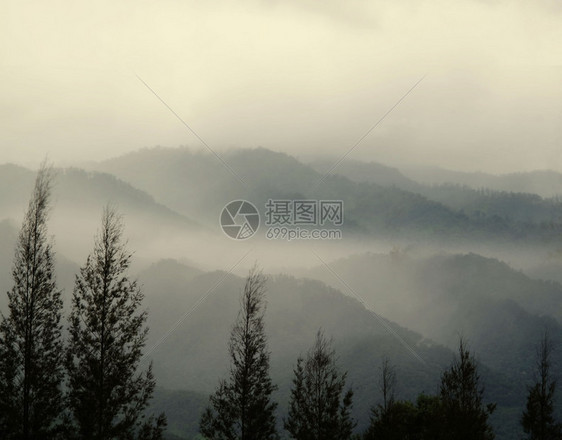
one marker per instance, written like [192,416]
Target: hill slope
[198,185]
[542,182]
[506,196]
[501,311]
[194,355]
[78,200]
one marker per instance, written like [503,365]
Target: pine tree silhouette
[31,347]
[241,407]
[317,409]
[537,419]
[107,394]
[466,417]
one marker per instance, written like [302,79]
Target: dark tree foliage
[241,407]
[430,418]
[31,347]
[318,408]
[537,419]
[398,421]
[402,420]
[461,396]
[390,419]
[107,394]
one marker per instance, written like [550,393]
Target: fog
[296,76]
[436,125]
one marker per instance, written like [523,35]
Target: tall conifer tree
[466,416]
[31,347]
[318,408]
[537,419]
[107,392]
[241,408]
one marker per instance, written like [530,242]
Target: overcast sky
[301,76]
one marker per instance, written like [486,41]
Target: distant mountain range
[78,190]
[79,197]
[500,310]
[524,197]
[184,188]
[425,295]
[545,183]
[378,200]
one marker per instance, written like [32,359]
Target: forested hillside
[408,304]
[379,200]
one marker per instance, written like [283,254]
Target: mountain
[367,172]
[79,197]
[545,183]
[501,311]
[199,185]
[510,200]
[79,189]
[194,356]
[191,315]
[524,208]
[422,300]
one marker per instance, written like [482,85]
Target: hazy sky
[301,76]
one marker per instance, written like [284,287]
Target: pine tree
[241,408]
[537,419]
[389,417]
[31,347]
[461,397]
[107,394]
[387,383]
[317,409]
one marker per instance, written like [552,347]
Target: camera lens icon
[240,219]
